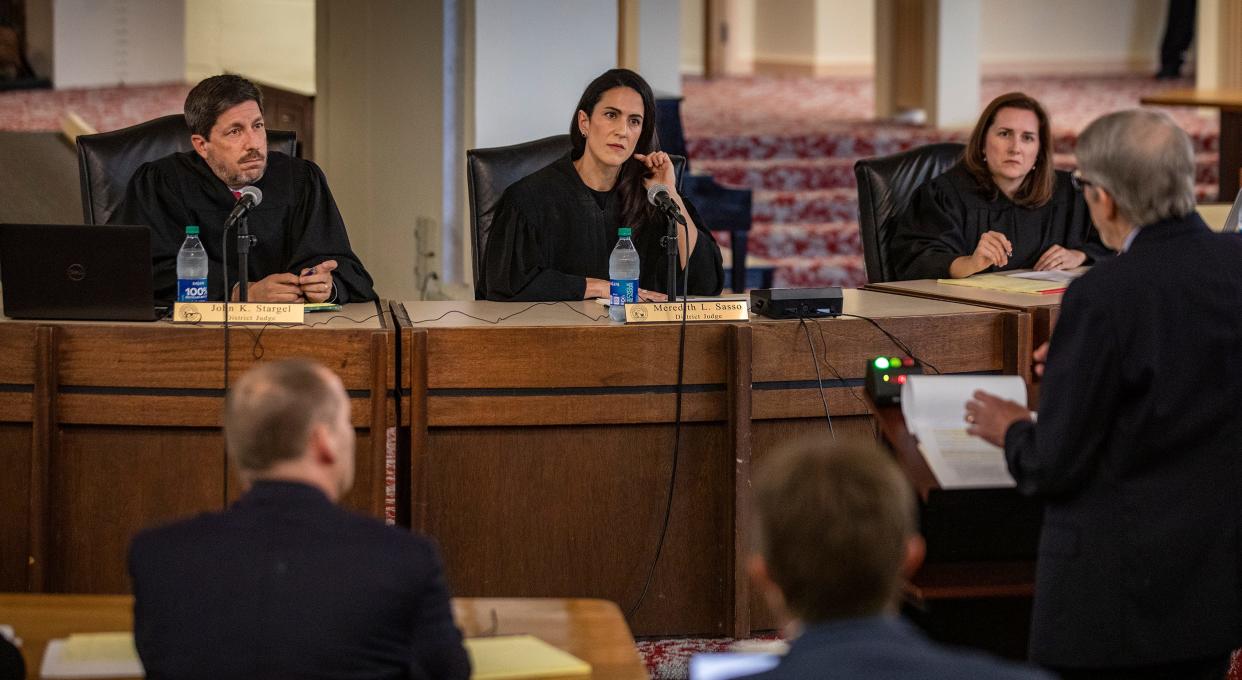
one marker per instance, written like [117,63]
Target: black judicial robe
[949,214]
[551,233]
[297,224]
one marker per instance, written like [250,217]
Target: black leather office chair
[722,208]
[106,161]
[885,186]
[490,171]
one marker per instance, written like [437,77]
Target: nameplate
[239,312]
[696,310]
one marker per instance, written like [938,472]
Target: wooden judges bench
[534,442]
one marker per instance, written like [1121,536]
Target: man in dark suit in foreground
[836,530]
[1137,452]
[284,584]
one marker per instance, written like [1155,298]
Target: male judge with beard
[302,252]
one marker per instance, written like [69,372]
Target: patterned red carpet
[670,659]
[794,141]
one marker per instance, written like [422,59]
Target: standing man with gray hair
[1138,449]
[285,584]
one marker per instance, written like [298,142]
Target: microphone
[250,197]
[657,195]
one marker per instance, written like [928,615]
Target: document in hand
[934,407]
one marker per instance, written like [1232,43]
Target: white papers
[1054,275]
[934,407]
[92,655]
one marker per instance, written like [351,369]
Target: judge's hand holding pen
[316,282]
[993,250]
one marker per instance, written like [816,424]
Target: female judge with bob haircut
[1002,206]
[555,228]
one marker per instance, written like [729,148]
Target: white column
[951,62]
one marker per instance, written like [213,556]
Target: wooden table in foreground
[592,630]
[1230,104]
[542,438]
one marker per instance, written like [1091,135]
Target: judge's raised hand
[989,417]
[660,169]
[282,287]
[1060,257]
[316,282]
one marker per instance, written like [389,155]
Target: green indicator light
[895,361]
[881,363]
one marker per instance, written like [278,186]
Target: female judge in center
[555,228]
[1002,206]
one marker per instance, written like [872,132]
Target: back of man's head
[215,95]
[834,522]
[1144,160]
[272,411]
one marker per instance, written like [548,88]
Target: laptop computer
[74,271]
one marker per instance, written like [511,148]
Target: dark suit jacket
[285,584]
[1138,455]
[883,648]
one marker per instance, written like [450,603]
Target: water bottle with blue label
[623,273]
[192,268]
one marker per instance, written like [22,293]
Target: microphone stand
[670,247]
[244,241]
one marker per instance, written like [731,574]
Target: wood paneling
[561,511]
[121,427]
[108,483]
[14,505]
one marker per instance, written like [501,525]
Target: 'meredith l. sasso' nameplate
[239,312]
[696,310]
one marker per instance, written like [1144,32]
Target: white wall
[532,60]
[784,31]
[1016,35]
[845,35]
[269,40]
[379,128]
[98,43]
[659,53]
[1072,34]
[692,51]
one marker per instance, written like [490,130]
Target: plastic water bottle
[623,273]
[192,268]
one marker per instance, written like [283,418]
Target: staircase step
[804,207]
[861,140]
[774,241]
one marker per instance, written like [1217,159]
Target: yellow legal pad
[1009,284]
[522,656]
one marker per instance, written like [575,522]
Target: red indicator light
[901,379]
[907,362]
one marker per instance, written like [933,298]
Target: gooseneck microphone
[657,195]
[250,197]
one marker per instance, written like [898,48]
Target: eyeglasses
[1081,182]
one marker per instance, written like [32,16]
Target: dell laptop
[77,272]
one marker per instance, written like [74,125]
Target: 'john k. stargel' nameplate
[696,310]
[239,312]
